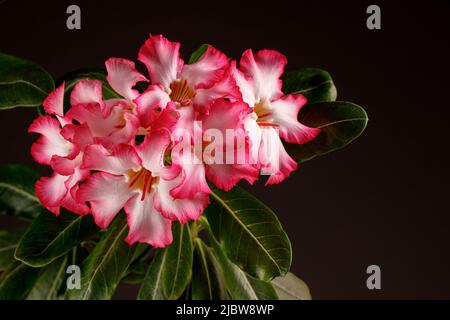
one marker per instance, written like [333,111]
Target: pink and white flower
[202,122]
[59,146]
[193,87]
[274,114]
[137,180]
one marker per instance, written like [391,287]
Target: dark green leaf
[17,191]
[198,53]
[51,236]
[136,272]
[240,285]
[250,233]
[340,122]
[49,281]
[8,244]
[22,83]
[207,278]
[170,270]
[17,281]
[151,288]
[177,270]
[315,84]
[106,265]
[290,287]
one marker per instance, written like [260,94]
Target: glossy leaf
[239,284]
[170,270]
[138,267]
[177,270]
[207,278]
[17,191]
[198,53]
[22,83]
[315,84]
[51,236]
[106,265]
[250,233]
[151,288]
[17,281]
[340,124]
[8,244]
[290,287]
[49,281]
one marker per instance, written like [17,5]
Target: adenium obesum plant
[94,142]
[167,148]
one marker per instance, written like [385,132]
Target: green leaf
[207,279]
[8,244]
[22,83]
[170,270]
[177,270]
[198,53]
[51,236]
[17,281]
[106,265]
[340,124]
[49,281]
[250,233]
[151,288]
[138,267]
[315,84]
[239,284]
[290,287]
[17,191]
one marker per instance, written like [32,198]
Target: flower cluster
[152,153]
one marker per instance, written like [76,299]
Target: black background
[383,200]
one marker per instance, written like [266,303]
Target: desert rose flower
[59,146]
[274,114]
[111,121]
[136,179]
[193,87]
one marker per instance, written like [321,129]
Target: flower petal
[123,76]
[273,157]
[226,176]
[265,68]
[125,133]
[87,91]
[245,85]
[152,150]
[182,210]
[146,224]
[193,177]
[226,87]
[207,70]
[167,118]
[285,112]
[107,194]
[161,58]
[79,135]
[65,165]
[54,103]
[71,204]
[51,142]
[153,99]
[51,190]
[118,161]
[254,134]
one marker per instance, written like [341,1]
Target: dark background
[383,200]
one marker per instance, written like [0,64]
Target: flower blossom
[152,153]
[274,114]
